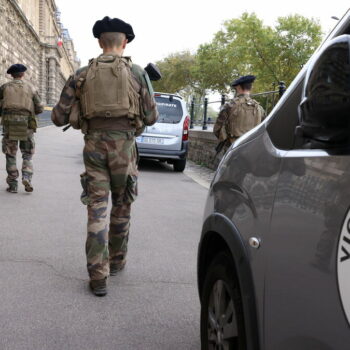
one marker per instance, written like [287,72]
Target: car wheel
[179,165]
[222,326]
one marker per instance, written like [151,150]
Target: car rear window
[170,110]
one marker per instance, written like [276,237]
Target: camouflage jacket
[38,106]
[60,113]
[230,124]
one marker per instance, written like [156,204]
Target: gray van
[167,140]
[274,253]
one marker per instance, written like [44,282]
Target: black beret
[113,25]
[16,68]
[153,72]
[246,79]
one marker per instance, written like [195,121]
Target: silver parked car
[167,140]
[274,254]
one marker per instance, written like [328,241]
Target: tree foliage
[243,46]
[178,74]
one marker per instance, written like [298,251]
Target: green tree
[243,46]
[297,38]
[247,46]
[178,77]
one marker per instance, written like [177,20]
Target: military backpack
[108,91]
[245,114]
[18,97]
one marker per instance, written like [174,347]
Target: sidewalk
[199,173]
[45,301]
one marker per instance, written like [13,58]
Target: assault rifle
[219,147]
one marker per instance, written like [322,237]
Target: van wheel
[222,324]
[179,165]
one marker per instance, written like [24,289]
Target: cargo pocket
[131,189]
[84,197]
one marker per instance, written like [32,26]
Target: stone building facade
[31,33]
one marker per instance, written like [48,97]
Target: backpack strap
[93,68]
[81,80]
[127,60]
[116,66]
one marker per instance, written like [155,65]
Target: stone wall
[29,34]
[202,148]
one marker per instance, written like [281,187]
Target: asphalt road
[45,301]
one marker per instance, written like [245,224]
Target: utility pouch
[223,133]
[139,125]
[75,116]
[18,128]
[32,123]
[84,197]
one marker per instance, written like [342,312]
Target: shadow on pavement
[155,166]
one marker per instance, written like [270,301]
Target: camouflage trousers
[110,163]
[10,148]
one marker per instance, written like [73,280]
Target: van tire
[221,273]
[179,165]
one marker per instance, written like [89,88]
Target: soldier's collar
[243,95]
[111,57]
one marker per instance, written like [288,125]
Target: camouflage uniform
[238,117]
[10,141]
[110,158]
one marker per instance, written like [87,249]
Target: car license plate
[152,140]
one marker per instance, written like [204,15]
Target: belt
[110,124]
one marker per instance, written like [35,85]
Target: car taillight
[186,127]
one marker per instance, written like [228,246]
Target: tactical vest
[18,97]
[108,91]
[245,114]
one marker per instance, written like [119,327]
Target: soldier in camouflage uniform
[111,100]
[19,103]
[240,115]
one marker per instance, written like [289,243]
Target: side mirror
[324,111]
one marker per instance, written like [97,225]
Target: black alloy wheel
[222,326]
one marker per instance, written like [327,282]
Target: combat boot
[114,268]
[99,287]
[12,188]
[27,185]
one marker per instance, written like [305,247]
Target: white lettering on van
[166,104]
[343,265]
[345,245]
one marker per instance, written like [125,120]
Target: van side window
[281,128]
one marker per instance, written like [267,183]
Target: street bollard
[192,112]
[205,127]
[223,100]
[281,88]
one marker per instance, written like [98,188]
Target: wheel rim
[222,322]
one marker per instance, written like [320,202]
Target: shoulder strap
[128,61]
[81,80]
[116,65]
[92,68]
